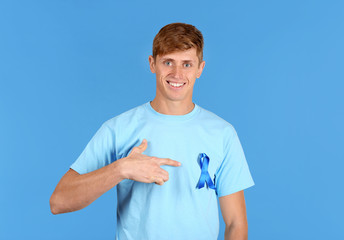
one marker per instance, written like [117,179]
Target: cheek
[161,77]
[192,76]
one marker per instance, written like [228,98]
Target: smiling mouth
[176,85]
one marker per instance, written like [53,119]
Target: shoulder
[128,117]
[215,120]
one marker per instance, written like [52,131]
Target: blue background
[274,70]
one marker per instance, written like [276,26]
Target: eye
[187,65]
[168,63]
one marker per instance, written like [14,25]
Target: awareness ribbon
[205,177]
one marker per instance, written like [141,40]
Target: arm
[233,211]
[75,191]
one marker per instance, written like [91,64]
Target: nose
[177,72]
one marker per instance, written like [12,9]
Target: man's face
[176,74]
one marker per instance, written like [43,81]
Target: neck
[172,107]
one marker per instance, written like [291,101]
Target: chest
[183,144]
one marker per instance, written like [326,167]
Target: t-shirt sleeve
[99,152]
[233,175]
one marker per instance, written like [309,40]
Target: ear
[151,63]
[200,69]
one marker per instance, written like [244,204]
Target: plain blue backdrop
[274,70]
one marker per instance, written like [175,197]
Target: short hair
[178,37]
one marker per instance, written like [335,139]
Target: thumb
[143,146]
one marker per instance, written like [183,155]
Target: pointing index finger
[168,161]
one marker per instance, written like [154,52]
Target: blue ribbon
[205,177]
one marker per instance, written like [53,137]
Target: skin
[177,67]
[75,191]
[233,209]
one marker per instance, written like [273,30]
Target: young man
[169,157]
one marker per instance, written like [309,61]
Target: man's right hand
[142,168]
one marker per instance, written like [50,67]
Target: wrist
[121,168]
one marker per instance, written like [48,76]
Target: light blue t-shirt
[177,209]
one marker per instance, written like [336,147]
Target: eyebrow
[172,60]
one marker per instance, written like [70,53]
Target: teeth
[176,84]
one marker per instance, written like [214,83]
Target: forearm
[78,191]
[236,233]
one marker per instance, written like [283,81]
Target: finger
[170,162]
[164,174]
[159,181]
[143,146]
